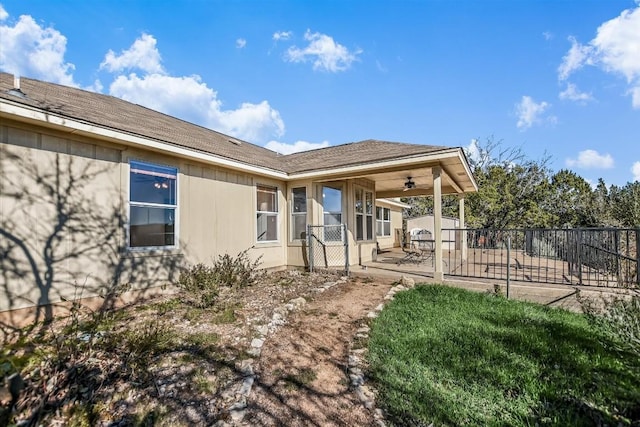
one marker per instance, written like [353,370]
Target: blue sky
[561,77]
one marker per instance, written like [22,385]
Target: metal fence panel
[586,256]
[328,247]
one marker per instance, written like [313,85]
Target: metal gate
[328,247]
[586,256]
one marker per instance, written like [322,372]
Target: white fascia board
[34,115]
[373,167]
[394,203]
[465,162]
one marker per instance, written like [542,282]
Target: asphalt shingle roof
[117,114]
[355,153]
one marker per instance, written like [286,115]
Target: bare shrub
[237,272]
[201,283]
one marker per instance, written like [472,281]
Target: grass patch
[202,339]
[453,357]
[164,307]
[226,315]
[302,378]
[200,382]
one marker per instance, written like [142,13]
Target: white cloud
[635,96]
[635,170]
[191,99]
[530,112]
[3,13]
[473,151]
[282,35]
[143,55]
[618,44]
[326,54]
[591,159]
[186,97]
[31,50]
[577,56]
[572,93]
[296,147]
[240,43]
[615,49]
[547,35]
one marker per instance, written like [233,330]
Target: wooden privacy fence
[581,256]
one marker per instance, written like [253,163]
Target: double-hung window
[153,205]
[298,212]
[364,214]
[383,221]
[267,213]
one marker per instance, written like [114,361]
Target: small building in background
[426,222]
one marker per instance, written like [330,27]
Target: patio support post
[463,231]
[438,275]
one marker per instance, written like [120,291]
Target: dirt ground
[302,373]
[300,376]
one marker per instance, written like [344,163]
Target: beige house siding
[60,202]
[87,255]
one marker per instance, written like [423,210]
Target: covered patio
[359,173]
[448,173]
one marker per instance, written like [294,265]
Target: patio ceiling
[391,184]
[389,177]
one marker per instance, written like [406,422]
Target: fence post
[345,242]
[508,265]
[310,246]
[579,255]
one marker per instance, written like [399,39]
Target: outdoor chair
[419,248]
[423,243]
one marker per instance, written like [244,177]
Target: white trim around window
[298,213]
[383,221]
[267,214]
[152,207]
[364,214]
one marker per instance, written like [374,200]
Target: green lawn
[454,357]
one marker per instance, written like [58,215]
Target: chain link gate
[328,247]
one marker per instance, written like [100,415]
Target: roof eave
[33,115]
[363,168]
[398,164]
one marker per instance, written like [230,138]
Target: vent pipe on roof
[16,91]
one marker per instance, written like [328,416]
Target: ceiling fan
[409,184]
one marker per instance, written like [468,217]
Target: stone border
[366,393]
[238,409]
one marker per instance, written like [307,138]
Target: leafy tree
[517,192]
[511,190]
[600,205]
[570,201]
[424,206]
[625,204]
